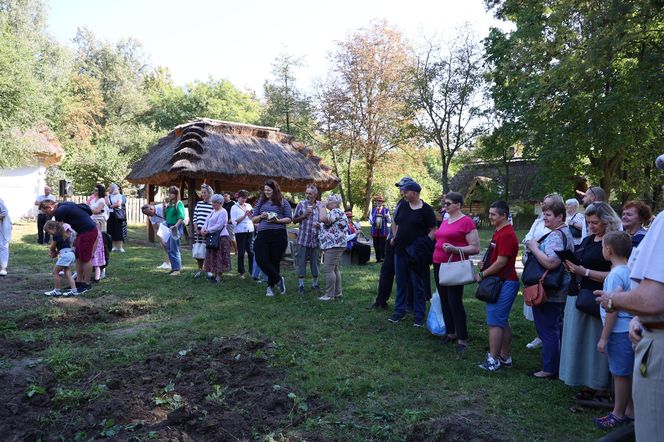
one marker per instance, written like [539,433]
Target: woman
[97,203]
[244,231]
[332,238]
[457,234]
[580,362]
[116,218]
[379,220]
[272,213]
[174,214]
[201,212]
[217,261]
[575,220]
[5,236]
[634,215]
[548,316]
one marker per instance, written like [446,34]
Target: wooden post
[191,184]
[151,195]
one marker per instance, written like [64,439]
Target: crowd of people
[593,281]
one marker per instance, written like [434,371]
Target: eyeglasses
[449,203]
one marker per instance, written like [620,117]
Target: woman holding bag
[456,239]
[548,315]
[201,212]
[217,260]
[580,363]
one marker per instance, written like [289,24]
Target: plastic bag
[198,250]
[435,321]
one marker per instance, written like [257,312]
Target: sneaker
[396,318]
[3,272]
[122,250]
[490,364]
[300,290]
[282,285]
[534,344]
[325,298]
[164,266]
[83,288]
[114,249]
[103,274]
[419,324]
[269,292]
[507,363]
[73,292]
[197,274]
[174,273]
[54,292]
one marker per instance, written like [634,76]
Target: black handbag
[120,213]
[212,241]
[586,301]
[575,231]
[488,289]
[532,272]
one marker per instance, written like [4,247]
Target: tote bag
[456,272]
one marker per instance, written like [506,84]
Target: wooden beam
[191,184]
[151,196]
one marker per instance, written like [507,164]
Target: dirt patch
[463,427]
[219,390]
[12,349]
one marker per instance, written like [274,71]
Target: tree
[286,106]
[579,83]
[448,97]
[370,70]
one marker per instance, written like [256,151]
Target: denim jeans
[304,253]
[407,278]
[548,323]
[174,251]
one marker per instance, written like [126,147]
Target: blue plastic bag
[435,321]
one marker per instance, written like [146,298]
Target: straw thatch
[522,173]
[234,156]
[43,144]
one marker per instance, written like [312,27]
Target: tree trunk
[367,190]
[445,176]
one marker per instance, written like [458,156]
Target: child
[61,247]
[614,341]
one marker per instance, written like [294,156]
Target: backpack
[84,207]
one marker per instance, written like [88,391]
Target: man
[415,223]
[386,278]
[155,213]
[230,228]
[43,237]
[379,220]
[86,237]
[593,194]
[307,216]
[500,261]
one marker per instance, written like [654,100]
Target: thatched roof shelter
[231,156]
[522,176]
[45,146]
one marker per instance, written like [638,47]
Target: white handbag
[457,272]
[198,250]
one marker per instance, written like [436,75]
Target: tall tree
[371,69]
[448,96]
[580,83]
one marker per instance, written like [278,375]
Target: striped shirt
[201,213]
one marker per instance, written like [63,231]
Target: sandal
[608,422]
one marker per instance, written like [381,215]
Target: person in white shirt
[43,237]
[575,221]
[5,236]
[155,212]
[243,227]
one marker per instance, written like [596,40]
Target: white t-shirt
[647,260]
[158,216]
[244,226]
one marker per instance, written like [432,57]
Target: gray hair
[216,198]
[113,187]
[145,207]
[208,188]
[606,215]
[572,201]
[335,198]
[554,197]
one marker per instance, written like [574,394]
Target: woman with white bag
[202,210]
[456,240]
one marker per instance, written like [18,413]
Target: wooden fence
[134,214]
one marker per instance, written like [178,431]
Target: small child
[614,341]
[61,248]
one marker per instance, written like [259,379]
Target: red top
[455,234]
[505,243]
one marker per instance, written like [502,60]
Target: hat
[408,183]
[401,181]
[349,214]
[379,198]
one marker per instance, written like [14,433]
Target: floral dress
[333,234]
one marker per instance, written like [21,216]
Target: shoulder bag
[586,301]
[535,295]
[453,273]
[488,289]
[533,271]
[212,241]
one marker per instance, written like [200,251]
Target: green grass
[380,378]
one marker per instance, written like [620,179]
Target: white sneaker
[164,266]
[325,298]
[534,344]
[103,274]
[269,292]
[3,272]
[73,292]
[54,292]
[122,250]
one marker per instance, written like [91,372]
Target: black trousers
[269,248]
[454,313]
[245,243]
[379,247]
[362,251]
[42,237]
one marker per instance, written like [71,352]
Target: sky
[239,40]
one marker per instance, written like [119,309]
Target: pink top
[454,234]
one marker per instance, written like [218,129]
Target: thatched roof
[234,155]
[41,142]
[523,173]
